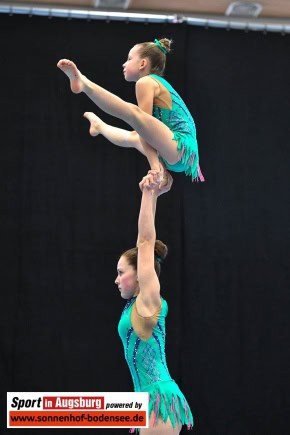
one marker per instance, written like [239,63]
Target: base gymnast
[142,323]
[164,129]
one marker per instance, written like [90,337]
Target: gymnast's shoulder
[147,85]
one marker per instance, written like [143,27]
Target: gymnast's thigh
[161,428]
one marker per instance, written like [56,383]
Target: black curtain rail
[262,25]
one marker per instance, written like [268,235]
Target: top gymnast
[164,130]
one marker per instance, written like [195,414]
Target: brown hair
[155,54]
[160,253]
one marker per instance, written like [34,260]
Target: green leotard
[147,363]
[181,123]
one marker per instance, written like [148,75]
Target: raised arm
[147,277]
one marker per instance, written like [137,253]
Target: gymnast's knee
[135,111]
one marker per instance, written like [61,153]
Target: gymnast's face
[134,67]
[126,279]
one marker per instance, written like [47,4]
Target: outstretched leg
[152,131]
[118,136]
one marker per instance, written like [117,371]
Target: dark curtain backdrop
[70,203]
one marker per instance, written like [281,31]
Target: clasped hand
[150,182]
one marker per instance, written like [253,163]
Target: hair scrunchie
[158,259]
[160,46]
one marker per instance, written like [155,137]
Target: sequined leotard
[147,363]
[181,123]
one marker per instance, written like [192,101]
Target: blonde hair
[160,253]
[155,54]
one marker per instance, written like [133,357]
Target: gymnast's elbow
[146,239]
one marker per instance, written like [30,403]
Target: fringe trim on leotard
[172,406]
[188,157]
[177,410]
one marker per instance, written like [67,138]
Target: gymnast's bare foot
[96,123]
[75,76]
